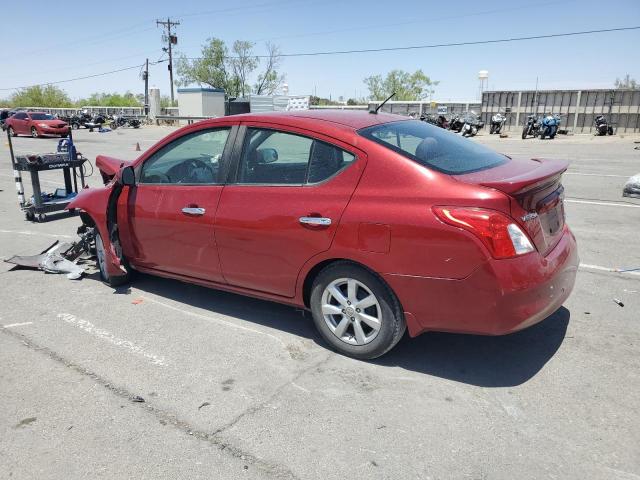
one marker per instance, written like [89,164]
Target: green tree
[127,99]
[407,86]
[40,96]
[270,80]
[243,63]
[210,69]
[626,82]
[218,68]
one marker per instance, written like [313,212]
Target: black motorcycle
[471,125]
[497,122]
[456,123]
[118,121]
[532,127]
[602,126]
[439,121]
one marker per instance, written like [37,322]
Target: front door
[283,206]
[172,208]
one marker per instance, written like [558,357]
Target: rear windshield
[434,147]
[41,116]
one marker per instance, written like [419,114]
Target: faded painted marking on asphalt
[106,335]
[11,325]
[606,204]
[215,320]
[35,234]
[606,269]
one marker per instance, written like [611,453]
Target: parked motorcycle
[602,126]
[549,127]
[471,125]
[456,123]
[118,121]
[497,122]
[532,127]
[439,121]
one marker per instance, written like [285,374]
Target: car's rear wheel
[101,256]
[34,132]
[12,132]
[355,311]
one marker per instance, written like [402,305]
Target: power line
[82,78]
[439,45]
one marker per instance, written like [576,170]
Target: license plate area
[551,213]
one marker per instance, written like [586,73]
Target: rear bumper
[500,297]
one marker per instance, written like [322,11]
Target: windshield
[41,116]
[434,147]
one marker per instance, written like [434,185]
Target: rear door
[170,212]
[283,204]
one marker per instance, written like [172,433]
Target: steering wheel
[192,172]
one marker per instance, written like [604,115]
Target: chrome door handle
[317,221]
[193,210]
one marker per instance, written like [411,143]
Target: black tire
[392,323]
[12,132]
[29,216]
[34,132]
[75,126]
[104,276]
[525,131]
[491,129]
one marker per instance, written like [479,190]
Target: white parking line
[606,204]
[213,319]
[35,234]
[11,325]
[606,269]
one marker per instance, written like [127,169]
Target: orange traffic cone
[137,146]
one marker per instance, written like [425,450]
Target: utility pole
[171,40]
[146,87]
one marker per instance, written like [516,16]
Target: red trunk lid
[536,193]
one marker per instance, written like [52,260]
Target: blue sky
[42,43]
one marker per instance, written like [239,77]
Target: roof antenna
[375,111]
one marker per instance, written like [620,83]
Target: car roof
[354,119]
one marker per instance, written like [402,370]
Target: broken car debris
[61,257]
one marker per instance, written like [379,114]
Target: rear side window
[434,147]
[270,157]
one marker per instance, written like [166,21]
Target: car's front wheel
[355,311]
[101,257]
[34,132]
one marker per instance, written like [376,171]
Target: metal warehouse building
[577,108]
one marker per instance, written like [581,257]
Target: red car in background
[36,124]
[374,222]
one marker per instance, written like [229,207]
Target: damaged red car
[374,222]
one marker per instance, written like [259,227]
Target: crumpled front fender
[95,202]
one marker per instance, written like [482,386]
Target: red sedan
[374,222]
[36,124]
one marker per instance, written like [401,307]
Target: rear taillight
[497,231]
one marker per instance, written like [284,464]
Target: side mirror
[267,155]
[128,176]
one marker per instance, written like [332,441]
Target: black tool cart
[66,159]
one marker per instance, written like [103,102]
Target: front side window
[192,159]
[434,147]
[278,158]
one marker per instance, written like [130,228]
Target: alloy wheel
[100,254]
[351,311]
